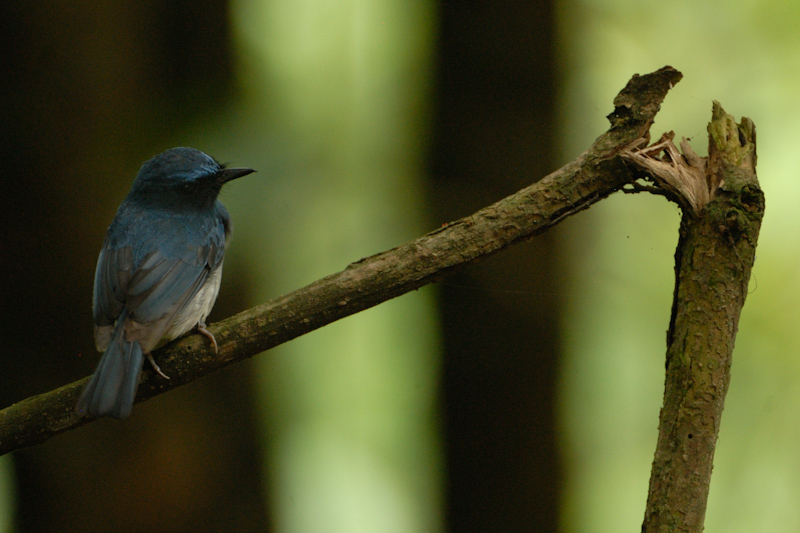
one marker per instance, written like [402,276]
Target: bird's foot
[156,367]
[201,328]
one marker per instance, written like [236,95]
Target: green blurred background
[521,394]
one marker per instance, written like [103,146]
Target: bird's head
[183,177]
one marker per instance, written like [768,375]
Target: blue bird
[158,273]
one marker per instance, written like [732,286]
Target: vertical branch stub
[713,262]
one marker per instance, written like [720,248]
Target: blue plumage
[159,271]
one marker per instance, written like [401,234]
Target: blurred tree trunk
[90,90]
[493,134]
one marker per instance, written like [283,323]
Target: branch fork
[722,207]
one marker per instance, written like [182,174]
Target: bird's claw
[156,367]
[201,328]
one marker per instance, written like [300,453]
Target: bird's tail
[112,389]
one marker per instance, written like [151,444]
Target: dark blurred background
[92,90]
[520,394]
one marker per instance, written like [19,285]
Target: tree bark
[713,260]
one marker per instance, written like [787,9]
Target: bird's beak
[227,174]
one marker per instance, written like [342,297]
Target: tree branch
[722,210]
[592,176]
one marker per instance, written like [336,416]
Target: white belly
[196,310]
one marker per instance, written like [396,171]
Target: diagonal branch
[594,175]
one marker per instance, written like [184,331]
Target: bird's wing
[114,270]
[154,293]
[161,287]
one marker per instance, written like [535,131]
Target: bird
[158,273]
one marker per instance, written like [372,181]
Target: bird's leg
[156,367]
[201,328]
